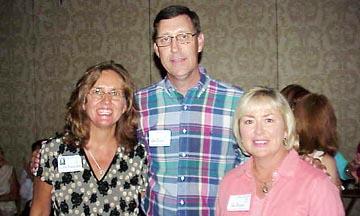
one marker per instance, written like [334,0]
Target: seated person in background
[97,166]
[342,166]
[355,165]
[293,93]
[316,126]
[26,181]
[274,181]
[9,188]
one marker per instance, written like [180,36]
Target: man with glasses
[185,122]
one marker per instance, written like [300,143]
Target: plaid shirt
[184,177]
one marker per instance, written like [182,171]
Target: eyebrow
[174,33]
[252,116]
[104,88]
[267,115]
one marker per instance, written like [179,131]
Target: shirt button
[182,202]
[182,178]
[184,131]
[275,174]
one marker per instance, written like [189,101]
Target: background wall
[45,46]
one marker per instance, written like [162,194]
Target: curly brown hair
[77,126]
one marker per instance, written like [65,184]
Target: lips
[177,60]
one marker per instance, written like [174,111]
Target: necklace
[265,188]
[265,185]
[101,171]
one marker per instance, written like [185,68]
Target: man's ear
[156,49]
[201,41]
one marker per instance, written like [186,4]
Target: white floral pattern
[80,193]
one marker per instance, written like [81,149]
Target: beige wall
[45,46]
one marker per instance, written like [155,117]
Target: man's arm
[35,161]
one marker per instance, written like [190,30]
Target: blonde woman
[274,181]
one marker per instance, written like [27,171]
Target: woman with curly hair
[96,166]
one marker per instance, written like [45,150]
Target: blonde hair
[257,97]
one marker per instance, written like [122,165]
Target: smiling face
[263,130]
[104,112]
[179,60]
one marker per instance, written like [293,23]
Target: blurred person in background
[26,181]
[294,93]
[354,168]
[9,188]
[316,126]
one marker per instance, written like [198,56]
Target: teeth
[260,142]
[104,112]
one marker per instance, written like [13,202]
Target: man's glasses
[99,94]
[182,38]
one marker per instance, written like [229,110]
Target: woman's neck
[100,138]
[264,167]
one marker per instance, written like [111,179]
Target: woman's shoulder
[138,151]
[328,159]
[58,145]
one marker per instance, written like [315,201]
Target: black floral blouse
[81,193]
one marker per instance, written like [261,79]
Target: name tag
[239,202]
[69,163]
[159,138]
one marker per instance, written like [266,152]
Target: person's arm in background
[41,203]
[13,195]
[330,164]
[341,165]
[354,165]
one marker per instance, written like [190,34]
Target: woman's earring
[285,142]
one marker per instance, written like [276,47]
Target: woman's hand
[314,162]
[35,160]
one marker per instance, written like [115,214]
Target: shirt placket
[184,153]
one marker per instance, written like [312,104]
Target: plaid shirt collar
[201,86]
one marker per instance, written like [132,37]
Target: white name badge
[159,138]
[239,202]
[69,163]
